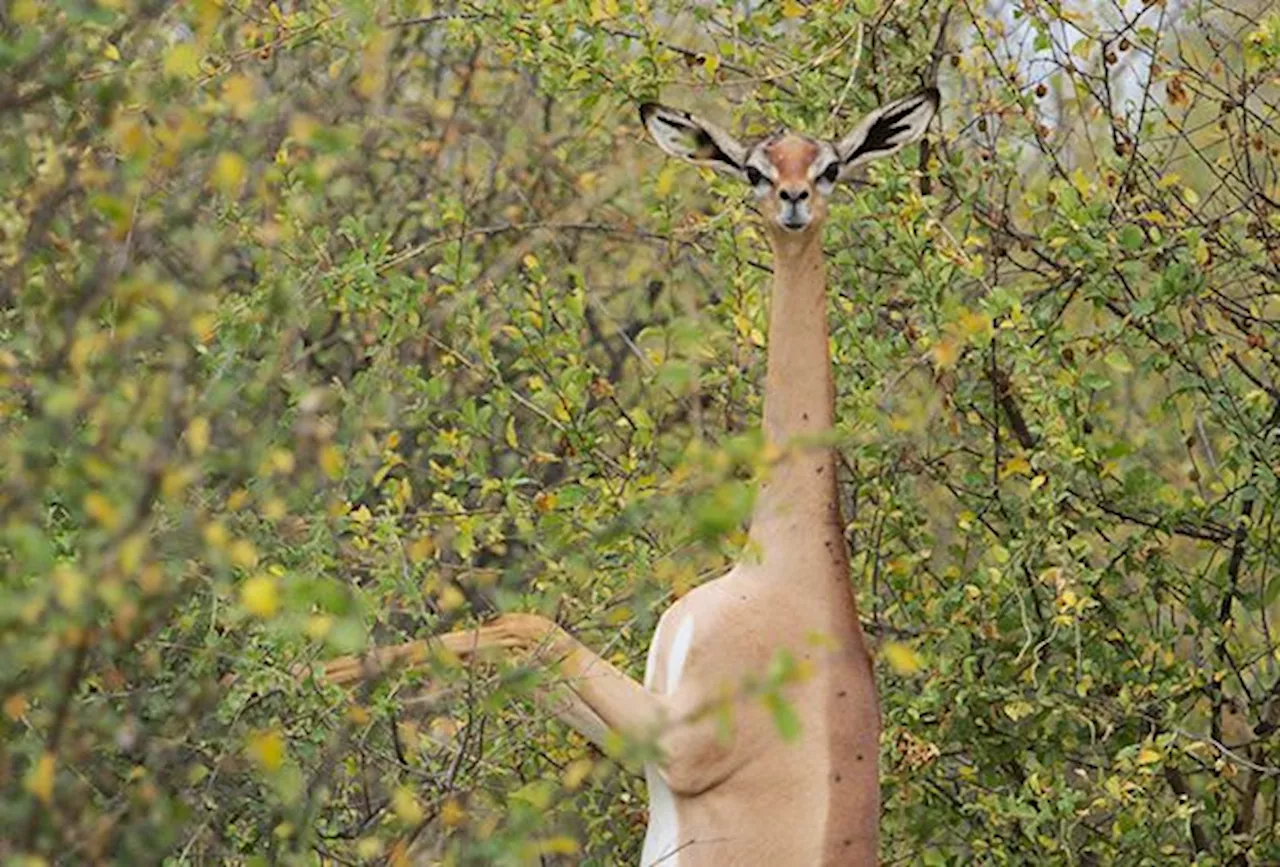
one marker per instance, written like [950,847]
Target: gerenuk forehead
[790,152]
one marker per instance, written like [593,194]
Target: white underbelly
[662,839]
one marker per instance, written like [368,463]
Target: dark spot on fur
[838,778]
[859,757]
[820,469]
[805,416]
[841,694]
[848,842]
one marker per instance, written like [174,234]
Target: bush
[332,324]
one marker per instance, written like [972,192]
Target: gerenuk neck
[797,503]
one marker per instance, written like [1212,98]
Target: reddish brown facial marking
[791,157]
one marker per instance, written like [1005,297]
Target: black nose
[793,195]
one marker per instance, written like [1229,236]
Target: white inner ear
[693,139]
[888,129]
[676,140]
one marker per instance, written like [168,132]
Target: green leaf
[784,716]
[1118,361]
[1131,237]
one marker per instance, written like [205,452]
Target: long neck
[797,501]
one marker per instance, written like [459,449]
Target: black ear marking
[668,116]
[707,149]
[885,129]
[690,138]
[702,145]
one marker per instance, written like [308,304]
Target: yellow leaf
[451,598]
[971,323]
[1148,756]
[1016,710]
[266,748]
[560,845]
[1081,182]
[182,61]
[15,706]
[243,553]
[318,626]
[302,127]
[39,780]
[281,461]
[331,461]
[421,548]
[792,9]
[25,11]
[576,773]
[131,552]
[229,172]
[947,352]
[1017,466]
[69,585]
[216,536]
[451,813]
[204,326]
[665,184]
[603,9]
[711,63]
[174,480]
[404,804]
[901,658]
[260,596]
[102,510]
[237,92]
[198,435]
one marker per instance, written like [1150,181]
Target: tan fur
[757,799]
[792,155]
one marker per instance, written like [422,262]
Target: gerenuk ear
[888,129]
[693,139]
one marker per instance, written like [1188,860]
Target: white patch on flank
[679,653]
[661,840]
[651,661]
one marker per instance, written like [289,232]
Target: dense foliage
[324,324]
